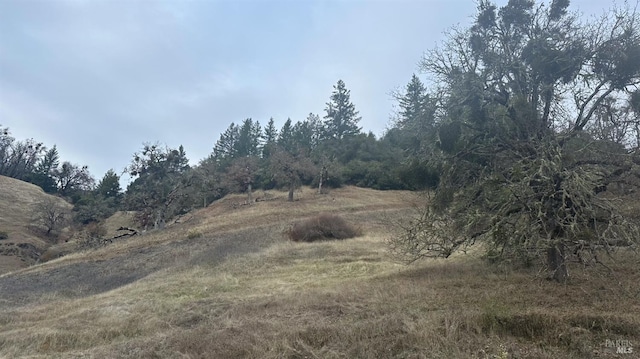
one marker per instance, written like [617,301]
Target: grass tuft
[193,234]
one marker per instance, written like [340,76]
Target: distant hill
[23,245]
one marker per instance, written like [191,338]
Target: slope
[23,245]
[225,283]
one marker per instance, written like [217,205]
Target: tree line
[324,152]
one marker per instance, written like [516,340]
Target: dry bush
[93,235]
[4,235]
[194,233]
[322,227]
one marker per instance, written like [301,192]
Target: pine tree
[306,134]
[285,138]
[270,138]
[225,147]
[109,185]
[342,119]
[249,139]
[415,107]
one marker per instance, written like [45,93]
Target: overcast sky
[100,78]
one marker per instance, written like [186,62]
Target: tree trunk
[322,172]
[249,195]
[159,222]
[291,190]
[557,263]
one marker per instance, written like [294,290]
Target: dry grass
[16,201]
[337,299]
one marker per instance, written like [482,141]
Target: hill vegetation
[524,144]
[242,289]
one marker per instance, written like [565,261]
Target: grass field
[225,283]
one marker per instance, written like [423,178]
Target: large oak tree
[521,170]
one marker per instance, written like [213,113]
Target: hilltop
[23,245]
[224,281]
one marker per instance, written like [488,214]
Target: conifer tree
[342,119]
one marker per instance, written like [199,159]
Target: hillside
[224,282]
[23,246]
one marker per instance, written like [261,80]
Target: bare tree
[50,215]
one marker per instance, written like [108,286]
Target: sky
[101,78]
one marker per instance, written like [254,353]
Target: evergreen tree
[416,108]
[109,185]
[285,138]
[270,138]
[226,146]
[307,134]
[249,139]
[45,168]
[342,119]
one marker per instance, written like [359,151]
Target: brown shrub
[322,227]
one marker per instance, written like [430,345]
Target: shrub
[322,227]
[192,234]
[4,235]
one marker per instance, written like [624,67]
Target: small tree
[50,215]
[241,175]
[160,186]
[72,178]
[289,170]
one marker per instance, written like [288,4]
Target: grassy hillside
[224,282]
[17,199]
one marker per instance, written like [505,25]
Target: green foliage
[160,190]
[270,138]
[341,120]
[322,227]
[249,139]
[225,148]
[93,207]
[290,170]
[285,137]
[517,170]
[109,185]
